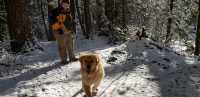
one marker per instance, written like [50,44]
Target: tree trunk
[197,42]
[87,16]
[3,26]
[110,9]
[124,8]
[169,22]
[73,13]
[43,17]
[103,24]
[50,33]
[19,24]
[79,16]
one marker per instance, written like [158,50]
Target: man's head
[65,6]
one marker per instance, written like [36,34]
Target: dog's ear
[69,17]
[97,59]
[81,59]
[58,18]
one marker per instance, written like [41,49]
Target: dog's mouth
[88,68]
[88,71]
[61,32]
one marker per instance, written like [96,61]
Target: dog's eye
[92,61]
[86,61]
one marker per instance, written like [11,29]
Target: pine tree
[169,22]
[197,42]
[124,8]
[19,24]
[87,16]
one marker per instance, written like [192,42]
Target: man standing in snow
[63,31]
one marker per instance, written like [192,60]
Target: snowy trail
[133,69]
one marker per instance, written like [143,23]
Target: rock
[22,95]
[153,61]
[43,89]
[166,59]
[121,91]
[195,66]
[165,67]
[156,45]
[112,59]
[6,65]
[153,79]
[1,75]
[117,52]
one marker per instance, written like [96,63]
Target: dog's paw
[94,92]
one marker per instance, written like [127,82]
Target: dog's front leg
[87,90]
[95,88]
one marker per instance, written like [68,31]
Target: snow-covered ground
[133,69]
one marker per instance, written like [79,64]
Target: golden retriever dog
[92,73]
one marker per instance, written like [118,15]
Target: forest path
[133,69]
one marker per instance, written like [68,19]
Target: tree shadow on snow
[169,70]
[8,85]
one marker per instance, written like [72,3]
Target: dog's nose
[59,23]
[88,66]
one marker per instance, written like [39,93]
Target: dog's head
[61,18]
[59,24]
[89,63]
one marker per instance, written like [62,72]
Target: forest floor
[137,68]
